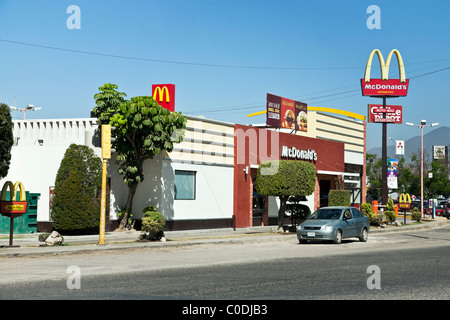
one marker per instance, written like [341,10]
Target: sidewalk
[127,240]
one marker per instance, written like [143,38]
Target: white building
[191,185]
[198,184]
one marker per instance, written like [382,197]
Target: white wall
[214,192]
[36,165]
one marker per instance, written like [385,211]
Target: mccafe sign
[294,153]
[390,114]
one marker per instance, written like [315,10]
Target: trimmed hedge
[339,198]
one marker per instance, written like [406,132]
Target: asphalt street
[412,265]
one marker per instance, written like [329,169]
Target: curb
[129,242]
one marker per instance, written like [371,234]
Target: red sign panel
[390,114]
[286,113]
[164,94]
[384,88]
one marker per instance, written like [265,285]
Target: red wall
[254,145]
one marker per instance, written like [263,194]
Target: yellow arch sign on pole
[13,208]
[323,109]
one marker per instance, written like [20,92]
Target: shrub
[153,224]
[76,203]
[390,211]
[367,210]
[415,214]
[339,198]
[73,211]
[376,220]
[43,236]
[390,216]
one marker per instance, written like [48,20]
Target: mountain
[438,137]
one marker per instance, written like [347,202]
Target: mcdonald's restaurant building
[207,181]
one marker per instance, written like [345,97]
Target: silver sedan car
[335,224]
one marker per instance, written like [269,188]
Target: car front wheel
[338,237]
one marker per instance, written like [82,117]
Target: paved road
[412,265]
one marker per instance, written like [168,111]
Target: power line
[172,61]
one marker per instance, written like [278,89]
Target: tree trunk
[128,207]
[282,211]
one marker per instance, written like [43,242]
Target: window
[356,213]
[184,185]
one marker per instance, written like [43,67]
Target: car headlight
[326,228]
[299,227]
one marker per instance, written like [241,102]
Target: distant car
[335,224]
[446,210]
[438,211]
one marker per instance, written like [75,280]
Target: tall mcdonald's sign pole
[385,88]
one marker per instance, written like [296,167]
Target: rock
[382,225]
[397,224]
[54,239]
[162,239]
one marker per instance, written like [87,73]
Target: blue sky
[224,56]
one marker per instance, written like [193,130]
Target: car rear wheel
[338,237]
[364,235]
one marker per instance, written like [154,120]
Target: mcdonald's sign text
[164,94]
[379,87]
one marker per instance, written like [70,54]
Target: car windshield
[326,214]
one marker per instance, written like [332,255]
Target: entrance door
[325,186]
[259,204]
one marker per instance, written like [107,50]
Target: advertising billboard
[440,152]
[392,165]
[286,113]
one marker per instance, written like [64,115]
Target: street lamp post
[423,123]
[29,107]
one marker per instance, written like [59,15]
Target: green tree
[76,201]
[438,184]
[107,101]
[293,178]
[143,130]
[7,140]
[373,172]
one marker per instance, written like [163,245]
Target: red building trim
[254,145]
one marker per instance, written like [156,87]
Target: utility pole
[106,154]
[423,123]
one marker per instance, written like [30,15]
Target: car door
[359,221]
[349,229]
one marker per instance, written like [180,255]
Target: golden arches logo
[404,201]
[404,198]
[13,206]
[385,65]
[159,92]
[13,191]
